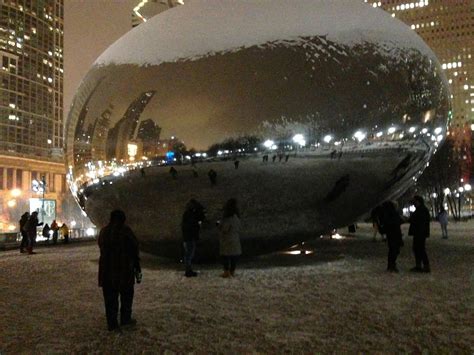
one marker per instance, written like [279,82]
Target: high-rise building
[447,26]
[149,8]
[31,105]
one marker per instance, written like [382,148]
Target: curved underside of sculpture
[323,125]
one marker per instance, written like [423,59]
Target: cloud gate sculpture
[310,114]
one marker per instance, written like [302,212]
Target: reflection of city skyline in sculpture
[317,121]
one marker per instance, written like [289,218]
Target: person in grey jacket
[229,237]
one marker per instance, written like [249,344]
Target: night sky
[90,26]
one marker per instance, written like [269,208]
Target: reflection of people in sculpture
[212,176]
[229,237]
[174,173]
[193,216]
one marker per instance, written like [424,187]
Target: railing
[11,239]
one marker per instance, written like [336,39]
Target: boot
[30,250]
[22,250]
[226,274]
[232,273]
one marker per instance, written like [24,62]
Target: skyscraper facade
[31,104]
[149,8]
[447,26]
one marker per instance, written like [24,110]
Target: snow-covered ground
[337,299]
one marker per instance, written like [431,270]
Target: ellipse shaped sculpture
[310,114]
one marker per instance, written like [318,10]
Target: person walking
[24,236]
[55,229]
[119,264]
[420,230]
[193,216]
[229,238]
[65,232]
[443,222]
[391,221]
[30,228]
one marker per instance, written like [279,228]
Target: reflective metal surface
[322,131]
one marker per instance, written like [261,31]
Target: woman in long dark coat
[119,262]
[391,222]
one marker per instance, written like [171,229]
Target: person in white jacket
[229,237]
[443,221]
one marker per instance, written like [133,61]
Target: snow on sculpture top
[203,27]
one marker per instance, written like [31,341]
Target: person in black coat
[420,230]
[193,216]
[119,264]
[390,220]
[24,236]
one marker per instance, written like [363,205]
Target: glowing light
[327,138]
[15,192]
[132,149]
[412,208]
[391,130]
[11,227]
[412,129]
[299,139]
[11,203]
[268,143]
[438,130]
[73,224]
[467,187]
[90,232]
[360,136]
[379,134]
[447,191]
[424,130]
[337,236]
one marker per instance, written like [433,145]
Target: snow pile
[201,28]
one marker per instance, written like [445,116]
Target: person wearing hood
[119,265]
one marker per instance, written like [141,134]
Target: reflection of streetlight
[467,187]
